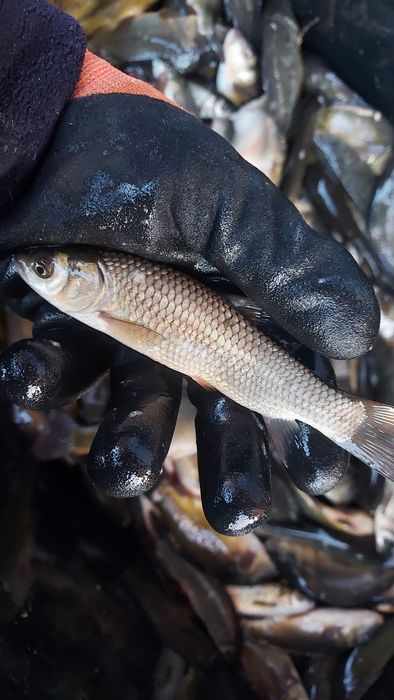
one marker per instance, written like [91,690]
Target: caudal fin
[373,442]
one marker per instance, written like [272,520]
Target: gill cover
[72,280]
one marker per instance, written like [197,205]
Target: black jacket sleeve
[41,53]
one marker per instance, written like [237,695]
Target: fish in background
[237,75]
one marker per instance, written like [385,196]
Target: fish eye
[43,268]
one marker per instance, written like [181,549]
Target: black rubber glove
[132,172]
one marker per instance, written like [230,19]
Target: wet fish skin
[206,595]
[282,68]
[181,323]
[327,568]
[168,36]
[245,15]
[241,559]
[172,85]
[362,129]
[271,672]
[319,630]
[381,216]
[352,521]
[268,600]
[366,662]
[318,676]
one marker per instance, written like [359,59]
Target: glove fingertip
[229,507]
[116,472]
[29,373]
[314,463]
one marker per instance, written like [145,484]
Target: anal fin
[282,433]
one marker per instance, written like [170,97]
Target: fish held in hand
[179,322]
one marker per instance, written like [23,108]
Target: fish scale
[178,321]
[203,336]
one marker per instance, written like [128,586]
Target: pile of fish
[103,598]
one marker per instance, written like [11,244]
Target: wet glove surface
[135,173]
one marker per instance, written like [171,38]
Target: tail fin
[373,442]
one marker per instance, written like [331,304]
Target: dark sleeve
[41,53]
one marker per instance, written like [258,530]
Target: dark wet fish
[356,523]
[271,672]
[207,12]
[209,104]
[173,85]
[168,675]
[282,68]
[333,204]
[328,569]
[317,631]
[357,177]
[172,617]
[366,662]
[362,129]
[207,596]
[381,216]
[268,600]
[384,602]
[242,559]
[319,676]
[320,80]
[245,15]
[168,36]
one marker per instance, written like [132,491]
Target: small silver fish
[179,322]
[258,140]
[237,76]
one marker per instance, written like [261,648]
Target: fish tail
[373,441]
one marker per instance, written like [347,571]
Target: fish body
[268,600]
[322,630]
[282,67]
[237,76]
[179,322]
[258,140]
[381,217]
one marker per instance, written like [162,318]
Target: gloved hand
[128,170]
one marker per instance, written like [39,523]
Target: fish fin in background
[282,433]
[373,442]
[122,330]
[247,308]
[204,384]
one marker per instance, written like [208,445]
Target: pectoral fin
[129,333]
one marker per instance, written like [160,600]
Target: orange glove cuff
[98,77]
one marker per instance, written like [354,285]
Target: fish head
[71,280]
[240,56]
